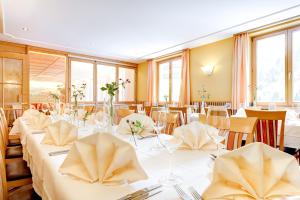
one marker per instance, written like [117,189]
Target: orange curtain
[185,89]
[239,70]
[152,82]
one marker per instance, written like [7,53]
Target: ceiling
[47,67]
[135,30]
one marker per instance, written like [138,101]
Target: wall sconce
[208,69]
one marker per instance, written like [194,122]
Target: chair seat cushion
[14,152]
[17,170]
[14,142]
[25,192]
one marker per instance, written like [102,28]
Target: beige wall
[218,84]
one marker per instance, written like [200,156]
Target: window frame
[169,60]
[95,78]
[288,66]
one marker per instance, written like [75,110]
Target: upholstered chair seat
[14,152]
[17,170]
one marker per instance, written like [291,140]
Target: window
[82,72]
[96,75]
[277,67]
[47,75]
[169,80]
[105,74]
[127,94]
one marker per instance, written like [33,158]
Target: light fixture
[25,29]
[208,69]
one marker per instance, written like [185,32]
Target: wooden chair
[133,107]
[297,155]
[148,110]
[14,171]
[89,109]
[267,126]
[123,112]
[217,111]
[17,111]
[20,189]
[183,111]
[172,121]
[10,151]
[219,122]
[9,140]
[240,126]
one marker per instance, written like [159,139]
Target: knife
[140,192]
[146,195]
[55,153]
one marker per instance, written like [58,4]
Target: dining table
[194,167]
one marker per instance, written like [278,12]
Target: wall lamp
[208,69]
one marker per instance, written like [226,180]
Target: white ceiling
[135,30]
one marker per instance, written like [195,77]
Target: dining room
[158,100]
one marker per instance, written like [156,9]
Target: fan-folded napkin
[197,136]
[104,158]
[146,122]
[255,171]
[60,133]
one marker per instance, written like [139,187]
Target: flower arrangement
[86,115]
[56,95]
[112,89]
[204,95]
[78,93]
[136,127]
[166,100]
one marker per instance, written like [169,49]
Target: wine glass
[159,125]
[171,179]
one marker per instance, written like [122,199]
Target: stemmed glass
[171,179]
[159,125]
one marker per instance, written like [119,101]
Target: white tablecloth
[195,167]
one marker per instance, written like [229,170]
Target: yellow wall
[142,82]
[218,84]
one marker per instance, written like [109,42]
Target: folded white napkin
[104,158]
[60,133]
[40,121]
[29,113]
[255,171]
[197,136]
[146,122]
[94,118]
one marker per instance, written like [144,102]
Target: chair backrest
[148,110]
[267,126]
[2,143]
[17,111]
[3,182]
[89,109]
[4,124]
[220,122]
[133,107]
[183,113]
[240,126]
[217,111]
[155,108]
[123,112]
[172,120]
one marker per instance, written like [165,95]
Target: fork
[181,193]
[194,193]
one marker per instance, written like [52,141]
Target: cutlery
[181,193]
[195,194]
[37,132]
[140,192]
[146,195]
[56,153]
[213,156]
[145,137]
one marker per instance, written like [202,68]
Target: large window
[277,67]
[83,72]
[95,75]
[127,94]
[169,80]
[105,74]
[47,75]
